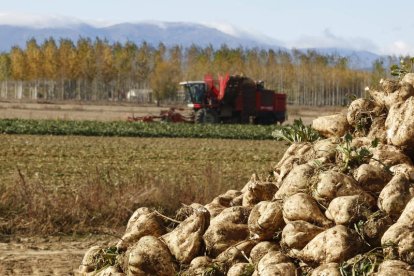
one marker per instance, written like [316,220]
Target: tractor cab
[195,93]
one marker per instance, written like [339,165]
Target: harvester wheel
[206,116]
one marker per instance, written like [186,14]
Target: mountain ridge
[169,33]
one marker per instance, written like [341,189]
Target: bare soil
[74,111]
[121,111]
[45,255]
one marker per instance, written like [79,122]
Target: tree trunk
[19,90]
[78,90]
[34,96]
[62,89]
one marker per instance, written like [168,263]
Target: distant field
[120,112]
[75,111]
[64,184]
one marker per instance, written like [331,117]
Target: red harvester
[237,99]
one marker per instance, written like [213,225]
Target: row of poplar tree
[99,70]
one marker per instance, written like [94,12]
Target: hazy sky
[384,27]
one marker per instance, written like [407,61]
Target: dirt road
[45,256]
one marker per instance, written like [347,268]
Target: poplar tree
[143,60]
[164,81]
[107,68]
[378,72]
[86,64]
[5,69]
[5,73]
[18,69]
[35,72]
[50,64]
[67,67]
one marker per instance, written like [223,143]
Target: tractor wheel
[206,116]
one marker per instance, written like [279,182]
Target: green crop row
[135,129]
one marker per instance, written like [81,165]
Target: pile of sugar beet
[341,205]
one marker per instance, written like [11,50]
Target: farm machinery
[237,99]
[230,99]
[172,115]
